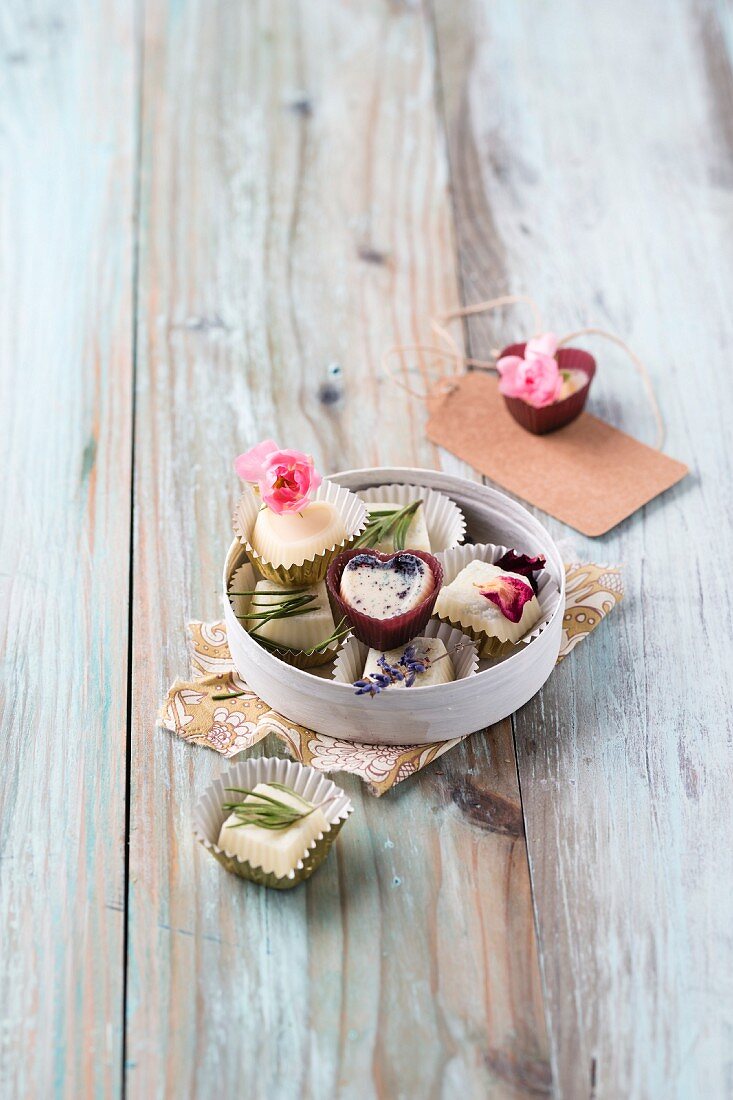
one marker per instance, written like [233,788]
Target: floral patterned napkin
[232,725]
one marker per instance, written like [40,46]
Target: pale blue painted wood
[66,147]
[592,156]
[592,160]
[417,934]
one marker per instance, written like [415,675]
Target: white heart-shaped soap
[383,589]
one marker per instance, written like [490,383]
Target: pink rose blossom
[250,465]
[536,377]
[544,344]
[285,479]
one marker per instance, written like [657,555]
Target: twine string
[444,384]
[641,370]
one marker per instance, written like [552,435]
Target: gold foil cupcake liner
[353,515]
[209,816]
[548,595]
[245,577]
[444,520]
[306,660]
[486,646]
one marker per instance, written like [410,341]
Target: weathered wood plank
[295,214]
[592,162]
[67,141]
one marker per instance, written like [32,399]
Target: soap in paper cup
[352,656]
[548,594]
[549,418]
[245,579]
[308,571]
[306,782]
[443,518]
[383,633]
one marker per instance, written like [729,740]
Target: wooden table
[204,207]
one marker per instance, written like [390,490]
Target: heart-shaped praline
[397,629]
[551,417]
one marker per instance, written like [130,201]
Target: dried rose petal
[509,594]
[513,562]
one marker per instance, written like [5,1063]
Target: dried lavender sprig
[413,665]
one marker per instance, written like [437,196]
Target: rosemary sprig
[272,647]
[280,612]
[340,632]
[285,609]
[268,812]
[293,602]
[385,523]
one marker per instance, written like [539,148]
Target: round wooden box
[419,715]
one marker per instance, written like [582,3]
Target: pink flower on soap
[534,377]
[251,464]
[509,594]
[284,478]
[287,481]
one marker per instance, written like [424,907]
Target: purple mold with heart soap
[397,629]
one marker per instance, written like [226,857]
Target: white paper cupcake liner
[548,594]
[352,656]
[244,579]
[444,519]
[307,570]
[306,782]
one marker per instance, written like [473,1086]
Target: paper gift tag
[588,474]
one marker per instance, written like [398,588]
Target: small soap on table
[276,851]
[440,669]
[416,535]
[384,589]
[291,538]
[298,632]
[491,601]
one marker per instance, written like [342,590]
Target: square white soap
[274,850]
[461,602]
[297,632]
[439,671]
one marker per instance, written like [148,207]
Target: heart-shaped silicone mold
[560,413]
[398,629]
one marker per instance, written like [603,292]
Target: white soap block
[461,602]
[384,589]
[274,850]
[297,632]
[289,537]
[438,671]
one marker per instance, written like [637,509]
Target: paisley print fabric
[195,711]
